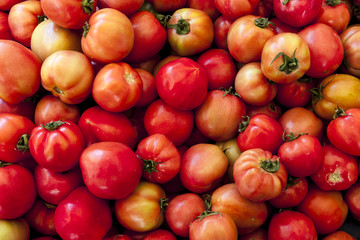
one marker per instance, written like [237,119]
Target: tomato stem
[333,3]
[264,23]
[270,166]
[339,112]
[244,124]
[207,202]
[206,214]
[4,164]
[53,125]
[87,6]
[230,91]
[163,19]
[41,18]
[285,2]
[86,29]
[164,202]
[149,165]
[291,181]
[290,64]
[291,137]
[182,27]
[23,143]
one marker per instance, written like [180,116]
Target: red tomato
[110,170]
[117,87]
[202,167]
[221,28]
[149,36]
[342,131]
[175,124]
[352,198]
[5,32]
[181,211]
[25,108]
[327,209]
[149,92]
[259,175]
[297,13]
[143,209]
[339,235]
[338,170]
[126,7]
[99,125]
[236,9]
[272,109]
[350,39]
[281,27]
[190,31]
[13,56]
[291,224]
[160,234]
[163,61]
[208,6]
[227,199]
[91,220]
[219,116]
[103,38]
[247,36]
[15,136]
[178,80]
[14,180]
[53,187]
[160,158]
[326,49]
[301,154]
[258,234]
[260,131]
[167,5]
[6,5]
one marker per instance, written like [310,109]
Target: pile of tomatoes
[182,119]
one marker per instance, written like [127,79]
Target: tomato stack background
[183,119]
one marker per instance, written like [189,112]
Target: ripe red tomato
[25,108]
[339,235]
[352,198]
[207,6]
[6,5]
[259,175]
[110,170]
[57,145]
[221,28]
[91,220]
[281,27]
[167,5]
[160,234]
[127,7]
[258,234]
[149,92]
[236,9]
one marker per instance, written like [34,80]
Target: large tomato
[190,31]
[259,175]
[110,170]
[236,9]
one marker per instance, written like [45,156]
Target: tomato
[247,36]
[339,235]
[14,180]
[335,91]
[221,28]
[149,92]
[260,131]
[350,38]
[167,5]
[50,108]
[285,58]
[291,224]
[327,209]
[53,187]
[149,36]
[6,5]
[163,61]
[338,170]
[92,220]
[202,167]
[247,215]
[190,31]
[117,87]
[301,154]
[297,13]
[15,136]
[213,226]
[13,56]
[281,27]
[110,170]
[160,158]
[175,124]
[25,108]
[103,40]
[219,116]
[258,234]
[181,211]
[208,6]
[271,109]
[220,68]
[236,9]
[14,229]
[5,32]
[326,49]
[160,234]
[253,87]
[352,197]
[294,192]
[143,209]
[126,7]
[41,218]
[301,120]
[232,152]
[178,80]
[71,84]
[259,175]
[264,8]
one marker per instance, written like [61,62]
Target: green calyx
[53,125]
[285,2]
[149,165]
[339,112]
[270,166]
[244,124]
[333,3]
[230,91]
[88,6]
[4,164]
[23,143]
[264,23]
[291,137]
[289,64]
[41,18]
[86,29]
[182,27]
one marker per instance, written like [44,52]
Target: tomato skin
[111,25]
[255,182]
[5,32]
[236,9]
[258,234]
[167,5]
[261,131]
[117,87]
[301,157]
[326,49]
[338,170]
[350,39]
[291,224]
[272,109]
[232,152]
[227,199]
[199,37]
[352,197]
[141,211]
[162,152]
[13,55]
[91,221]
[181,211]
[219,116]
[6,5]
[178,80]
[202,167]
[339,235]
[208,6]
[17,229]
[327,209]
[149,92]
[25,108]
[283,27]
[246,39]
[221,28]
[295,94]
[12,142]
[160,234]
[126,7]
[110,170]
[118,237]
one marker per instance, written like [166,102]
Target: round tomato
[167,5]
[207,6]
[258,234]
[126,7]
[352,198]
[339,235]
[350,39]
[221,28]
[149,93]
[25,108]
[160,234]
[236,9]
